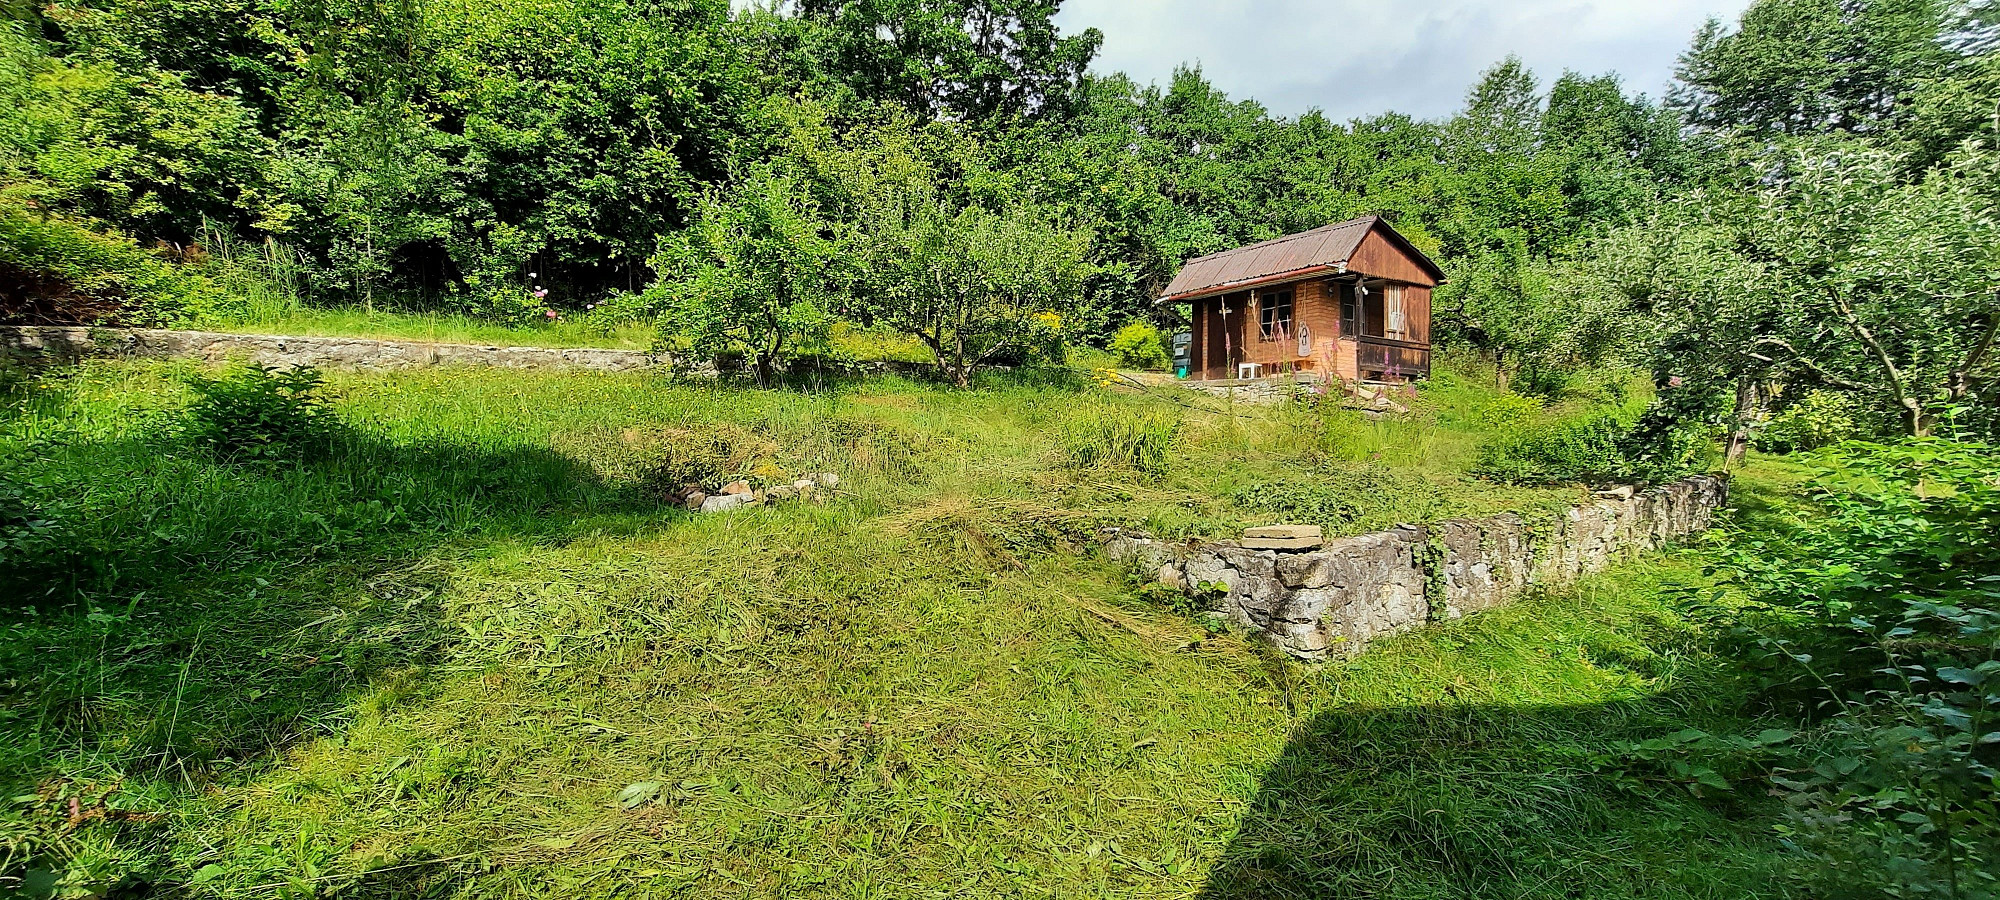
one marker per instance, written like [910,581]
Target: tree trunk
[1915,420]
[1739,435]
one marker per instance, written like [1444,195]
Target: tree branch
[1961,377]
[1914,418]
[1810,366]
[1867,338]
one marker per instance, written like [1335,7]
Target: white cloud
[1352,58]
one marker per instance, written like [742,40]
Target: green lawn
[470,654]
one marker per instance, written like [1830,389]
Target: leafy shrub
[1883,616]
[1666,443]
[1113,436]
[24,526]
[1819,419]
[1139,345]
[70,272]
[1660,446]
[261,413]
[1577,450]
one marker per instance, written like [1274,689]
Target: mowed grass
[469,655]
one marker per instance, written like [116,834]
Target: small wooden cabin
[1352,300]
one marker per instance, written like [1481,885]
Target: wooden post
[1222,303]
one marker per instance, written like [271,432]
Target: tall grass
[269,278]
[1106,435]
[465,652]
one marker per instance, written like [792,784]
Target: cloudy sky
[1355,58]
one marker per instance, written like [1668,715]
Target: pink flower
[540,293]
[1674,381]
[550,313]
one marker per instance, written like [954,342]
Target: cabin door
[1232,310]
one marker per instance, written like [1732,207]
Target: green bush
[1667,442]
[1574,451]
[260,413]
[1139,345]
[1663,444]
[1111,436]
[107,271]
[1819,419]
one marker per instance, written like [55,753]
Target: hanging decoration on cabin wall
[1305,339]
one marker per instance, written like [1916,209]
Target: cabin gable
[1384,256]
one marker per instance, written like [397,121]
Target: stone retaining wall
[57,342]
[1275,389]
[1333,600]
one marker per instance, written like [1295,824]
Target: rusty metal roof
[1325,247]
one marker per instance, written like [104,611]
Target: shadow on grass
[186,617]
[1481,801]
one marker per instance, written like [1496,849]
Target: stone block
[1282,543]
[1283,531]
[1283,537]
[724,502]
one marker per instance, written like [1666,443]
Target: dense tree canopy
[437,152]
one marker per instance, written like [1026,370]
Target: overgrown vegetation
[1873,616]
[1112,437]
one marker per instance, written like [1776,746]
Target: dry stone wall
[1256,391]
[57,342]
[1332,600]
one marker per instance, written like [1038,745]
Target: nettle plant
[1878,619]
[261,413]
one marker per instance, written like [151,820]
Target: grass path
[469,657]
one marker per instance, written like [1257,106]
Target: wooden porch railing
[1392,357]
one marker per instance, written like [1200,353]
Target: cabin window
[1398,325]
[1274,311]
[1350,311]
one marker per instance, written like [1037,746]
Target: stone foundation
[57,342]
[1333,600]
